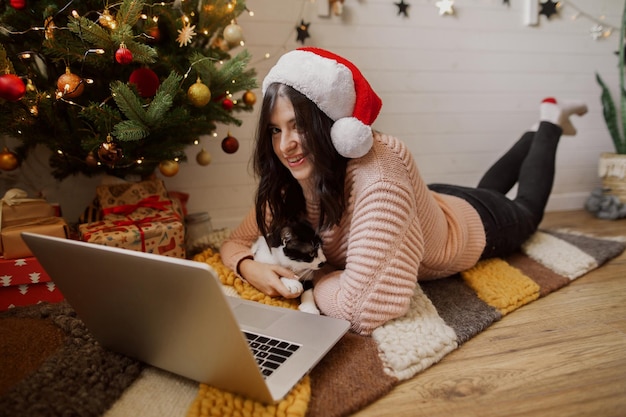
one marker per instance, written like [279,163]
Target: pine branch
[160,105]
[130,130]
[128,102]
[130,11]
[142,53]
[90,32]
[171,84]
[102,117]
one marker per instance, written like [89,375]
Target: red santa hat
[338,88]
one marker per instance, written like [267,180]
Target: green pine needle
[130,130]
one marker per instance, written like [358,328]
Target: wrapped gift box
[23,282]
[128,193]
[26,210]
[159,234]
[18,213]
[12,244]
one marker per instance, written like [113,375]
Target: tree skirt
[52,366]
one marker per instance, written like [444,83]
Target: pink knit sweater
[394,231]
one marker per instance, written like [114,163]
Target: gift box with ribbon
[160,234]
[18,214]
[138,216]
[127,193]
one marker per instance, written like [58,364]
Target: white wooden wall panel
[457,89]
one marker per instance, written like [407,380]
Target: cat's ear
[286,234]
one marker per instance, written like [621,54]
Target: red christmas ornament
[146,80]
[227,104]
[12,88]
[123,55]
[18,4]
[230,144]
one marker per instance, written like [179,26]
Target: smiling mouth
[295,161]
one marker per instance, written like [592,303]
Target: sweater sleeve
[237,246]
[383,256]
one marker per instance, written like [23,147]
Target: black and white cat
[295,246]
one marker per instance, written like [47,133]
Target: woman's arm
[236,254]
[384,250]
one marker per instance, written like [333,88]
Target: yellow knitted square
[500,285]
[211,401]
[214,402]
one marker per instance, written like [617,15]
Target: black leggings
[531,164]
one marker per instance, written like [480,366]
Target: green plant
[616,123]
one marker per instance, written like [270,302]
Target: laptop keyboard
[270,353]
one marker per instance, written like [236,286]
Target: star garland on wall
[548,8]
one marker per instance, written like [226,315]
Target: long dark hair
[279,197]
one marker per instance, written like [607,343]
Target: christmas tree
[121,88]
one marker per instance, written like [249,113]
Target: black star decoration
[403,8]
[303,31]
[548,8]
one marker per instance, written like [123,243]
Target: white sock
[559,113]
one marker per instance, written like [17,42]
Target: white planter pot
[612,170]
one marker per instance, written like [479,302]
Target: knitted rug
[52,366]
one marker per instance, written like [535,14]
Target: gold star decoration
[186,34]
[445,7]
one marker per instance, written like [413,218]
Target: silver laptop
[171,313]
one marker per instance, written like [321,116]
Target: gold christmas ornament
[107,20]
[70,85]
[249,98]
[8,160]
[168,168]
[199,94]
[203,158]
[109,152]
[233,34]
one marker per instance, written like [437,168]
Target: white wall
[458,89]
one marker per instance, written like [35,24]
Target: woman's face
[287,140]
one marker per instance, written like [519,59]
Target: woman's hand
[266,277]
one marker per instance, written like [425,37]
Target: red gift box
[23,282]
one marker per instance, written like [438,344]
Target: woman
[382,227]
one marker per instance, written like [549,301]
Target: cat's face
[300,249]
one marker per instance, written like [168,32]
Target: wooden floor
[563,355]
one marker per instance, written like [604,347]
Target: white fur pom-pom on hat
[338,88]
